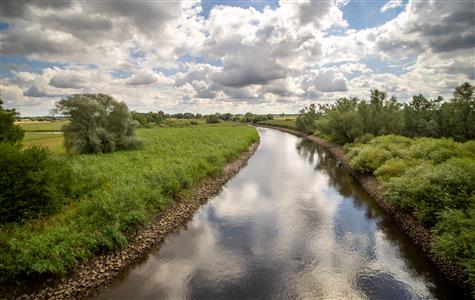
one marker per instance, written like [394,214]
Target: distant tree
[248,117]
[459,113]
[9,132]
[226,116]
[98,124]
[214,118]
[141,118]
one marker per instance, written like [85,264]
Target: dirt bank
[100,270]
[416,231]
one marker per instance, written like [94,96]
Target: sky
[231,56]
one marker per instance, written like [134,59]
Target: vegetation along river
[291,224]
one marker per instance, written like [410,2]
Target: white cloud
[236,59]
[391,4]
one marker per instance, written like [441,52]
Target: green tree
[306,119]
[98,124]
[9,132]
[214,118]
[460,112]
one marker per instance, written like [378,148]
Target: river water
[292,224]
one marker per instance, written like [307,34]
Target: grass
[126,188]
[171,122]
[52,140]
[41,126]
[288,122]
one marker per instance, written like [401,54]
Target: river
[291,224]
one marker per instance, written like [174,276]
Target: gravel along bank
[102,269]
[417,232]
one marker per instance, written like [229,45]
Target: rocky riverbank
[417,232]
[88,277]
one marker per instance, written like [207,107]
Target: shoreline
[417,232]
[89,277]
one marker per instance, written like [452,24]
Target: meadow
[285,122]
[125,189]
[41,126]
[44,133]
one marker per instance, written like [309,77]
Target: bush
[367,159]
[32,183]
[212,119]
[393,168]
[9,132]
[98,124]
[427,190]
[455,237]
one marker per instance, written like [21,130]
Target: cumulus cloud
[248,69]
[143,77]
[391,4]
[236,59]
[68,80]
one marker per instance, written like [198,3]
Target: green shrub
[32,183]
[393,168]
[367,159]
[455,237]
[427,190]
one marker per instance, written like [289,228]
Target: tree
[341,121]
[306,120]
[9,132]
[462,112]
[214,118]
[97,124]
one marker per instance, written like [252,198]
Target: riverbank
[102,269]
[417,232]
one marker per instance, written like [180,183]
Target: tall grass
[127,188]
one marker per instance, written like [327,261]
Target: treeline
[156,118]
[353,119]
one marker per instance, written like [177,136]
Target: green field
[125,189]
[52,140]
[287,122]
[41,125]
[44,133]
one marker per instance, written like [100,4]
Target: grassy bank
[126,189]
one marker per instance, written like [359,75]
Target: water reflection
[292,224]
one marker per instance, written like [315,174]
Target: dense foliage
[32,183]
[129,188]
[432,178]
[350,119]
[212,119]
[306,120]
[9,132]
[97,124]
